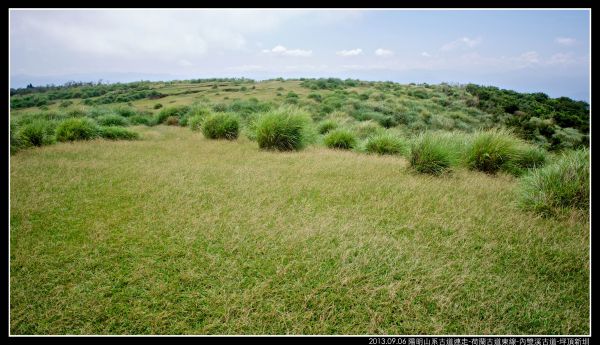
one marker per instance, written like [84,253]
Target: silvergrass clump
[365,129]
[140,120]
[430,154]
[36,133]
[562,184]
[286,128]
[112,120]
[221,126]
[492,151]
[326,126]
[526,157]
[117,133]
[340,139]
[387,144]
[76,129]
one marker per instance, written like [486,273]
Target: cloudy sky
[529,51]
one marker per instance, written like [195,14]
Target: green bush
[140,120]
[221,126]
[125,111]
[117,133]
[284,129]
[195,122]
[112,120]
[176,111]
[430,154]
[387,144]
[492,151]
[365,129]
[562,184]
[76,129]
[157,106]
[340,139]
[526,157]
[326,126]
[36,133]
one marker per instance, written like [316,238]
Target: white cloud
[425,54]
[561,59]
[565,41]
[283,51]
[352,52]
[383,52]
[462,43]
[530,57]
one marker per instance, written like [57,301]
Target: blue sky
[528,51]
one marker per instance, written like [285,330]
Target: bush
[76,129]
[365,129]
[283,129]
[112,120]
[195,122]
[158,106]
[492,151]
[140,120]
[36,133]
[563,184]
[117,133]
[340,139]
[527,157]
[221,126]
[172,121]
[387,144]
[326,126]
[176,111]
[65,104]
[125,111]
[431,155]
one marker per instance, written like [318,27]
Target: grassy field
[177,234]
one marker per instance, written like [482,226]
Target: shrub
[172,121]
[221,126]
[492,151]
[112,120]
[431,155]
[36,133]
[125,111]
[157,106]
[65,104]
[387,144]
[176,111]
[140,120]
[366,129]
[526,157]
[284,129]
[562,184]
[326,126]
[76,129]
[117,133]
[195,122]
[340,139]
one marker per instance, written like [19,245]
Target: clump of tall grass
[221,126]
[112,120]
[117,133]
[492,151]
[175,111]
[326,126]
[125,111]
[340,139]
[387,144]
[284,129]
[140,120]
[527,157]
[432,154]
[365,129]
[76,129]
[36,133]
[562,184]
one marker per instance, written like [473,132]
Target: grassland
[177,234]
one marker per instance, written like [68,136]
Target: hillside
[552,123]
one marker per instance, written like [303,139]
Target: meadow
[298,207]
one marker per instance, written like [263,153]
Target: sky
[524,50]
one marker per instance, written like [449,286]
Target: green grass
[340,139]
[177,234]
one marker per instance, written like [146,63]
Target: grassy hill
[401,210]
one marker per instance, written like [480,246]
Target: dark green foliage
[125,111]
[221,126]
[112,120]
[158,106]
[562,184]
[140,120]
[65,104]
[76,129]
[283,129]
[175,111]
[340,139]
[117,133]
